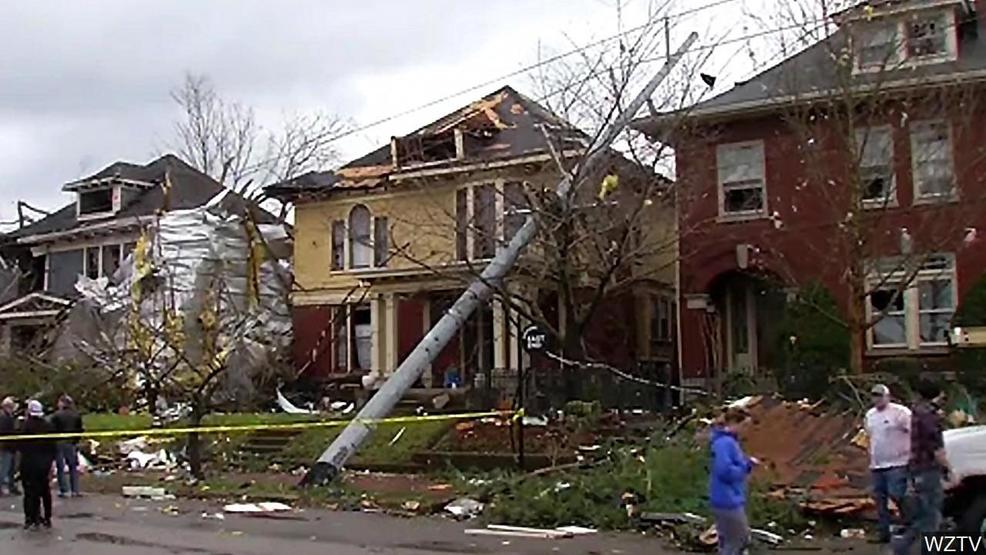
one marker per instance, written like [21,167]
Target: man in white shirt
[888,426]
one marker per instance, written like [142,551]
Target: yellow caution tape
[258,427]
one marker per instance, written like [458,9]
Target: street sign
[535,339]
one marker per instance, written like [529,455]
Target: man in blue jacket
[727,484]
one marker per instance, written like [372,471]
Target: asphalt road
[105,525]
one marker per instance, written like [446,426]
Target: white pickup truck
[965,499]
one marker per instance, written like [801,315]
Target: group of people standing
[907,461]
[32,457]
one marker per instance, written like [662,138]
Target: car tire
[973,518]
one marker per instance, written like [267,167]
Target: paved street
[103,525]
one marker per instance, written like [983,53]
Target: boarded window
[484,211]
[381,241]
[360,245]
[64,269]
[338,245]
[461,224]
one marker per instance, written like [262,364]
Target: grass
[303,449]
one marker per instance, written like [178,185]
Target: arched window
[360,245]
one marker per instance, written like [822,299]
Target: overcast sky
[86,83]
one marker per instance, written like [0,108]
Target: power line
[528,68]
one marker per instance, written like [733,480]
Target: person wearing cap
[8,451]
[67,420]
[888,426]
[37,455]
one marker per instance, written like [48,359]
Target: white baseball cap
[35,408]
[880,389]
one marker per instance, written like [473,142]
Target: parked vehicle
[966,493]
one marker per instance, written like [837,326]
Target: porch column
[501,348]
[390,333]
[377,331]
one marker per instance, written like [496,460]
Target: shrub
[813,343]
[92,389]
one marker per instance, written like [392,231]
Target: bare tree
[223,139]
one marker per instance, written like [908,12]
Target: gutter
[652,124]
[55,235]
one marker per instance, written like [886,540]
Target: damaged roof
[189,188]
[814,71]
[503,125]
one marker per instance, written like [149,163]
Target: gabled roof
[34,305]
[189,188]
[503,125]
[813,71]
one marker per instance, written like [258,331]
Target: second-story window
[927,36]
[484,221]
[516,208]
[876,165]
[381,241]
[931,160]
[360,243]
[339,245]
[742,187]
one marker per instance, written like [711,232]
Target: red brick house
[859,156]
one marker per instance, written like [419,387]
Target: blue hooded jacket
[730,467]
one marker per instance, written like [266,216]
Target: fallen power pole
[379,406]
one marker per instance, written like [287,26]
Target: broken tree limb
[331,462]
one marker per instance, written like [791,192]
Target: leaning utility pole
[379,406]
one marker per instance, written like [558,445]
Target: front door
[741,325]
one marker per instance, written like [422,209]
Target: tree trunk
[194,444]
[857,327]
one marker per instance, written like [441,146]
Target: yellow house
[385,244]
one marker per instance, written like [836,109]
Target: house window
[662,315]
[911,306]
[353,340]
[338,245]
[92,262]
[877,44]
[876,165]
[515,209]
[111,259]
[360,245]
[484,214]
[741,179]
[931,160]
[461,224]
[96,202]
[381,241]
[927,36]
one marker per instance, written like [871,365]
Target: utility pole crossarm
[331,462]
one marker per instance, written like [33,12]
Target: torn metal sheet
[204,268]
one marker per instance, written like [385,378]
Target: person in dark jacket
[8,451]
[727,484]
[37,456]
[67,420]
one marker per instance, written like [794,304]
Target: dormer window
[878,44]
[905,38]
[97,202]
[927,36]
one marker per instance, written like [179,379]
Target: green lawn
[304,448]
